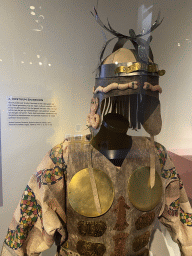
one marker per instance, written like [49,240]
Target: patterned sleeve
[39,218]
[177,213]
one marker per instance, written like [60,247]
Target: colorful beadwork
[30,211]
[180,182]
[50,176]
[170,174]
[186,218]
[162,153]
[174,208]
[56,155]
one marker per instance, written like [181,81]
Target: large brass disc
[80,193]
[140,193]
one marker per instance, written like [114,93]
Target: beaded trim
[162,153]
[186,218]
[174,208]
[30,212]
[49,176]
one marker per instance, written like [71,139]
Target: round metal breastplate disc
[80,193]
[140,193]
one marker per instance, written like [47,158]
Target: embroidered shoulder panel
[56,155]
[162,153]
[170,174]
[173,175]
[30,211]
[50,176]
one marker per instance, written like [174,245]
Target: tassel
[152,163]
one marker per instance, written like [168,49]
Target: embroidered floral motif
[56,155]
[162,154]
[186,218]
[173,208]
[30,211]
[49,176]
[170,174]
[180,182]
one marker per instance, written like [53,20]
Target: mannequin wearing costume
[101,196]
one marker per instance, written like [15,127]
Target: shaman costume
[100,197]
[124,225]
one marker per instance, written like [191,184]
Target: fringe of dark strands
[133,111]
[127,108]
[113,110]
[142,104]
[107,106]
[138,110]
[102,109]
[131,107]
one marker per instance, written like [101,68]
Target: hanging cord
[93,183]
[152,162]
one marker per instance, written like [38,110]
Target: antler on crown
[141,46]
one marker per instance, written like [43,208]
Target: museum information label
[30,111]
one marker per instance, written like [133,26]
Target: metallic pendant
[140,193]
[81,196]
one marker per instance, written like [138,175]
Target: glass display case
[50,52]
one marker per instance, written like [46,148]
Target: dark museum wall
[48,53]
